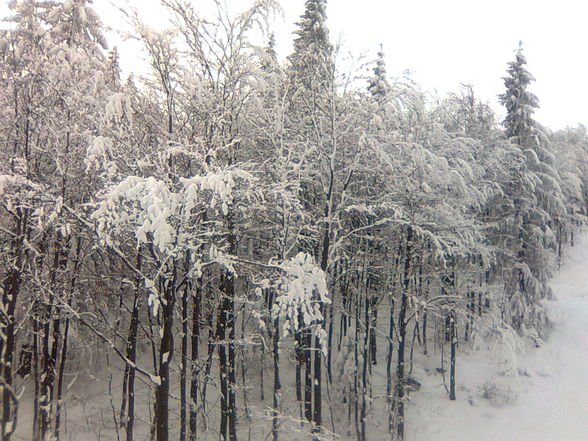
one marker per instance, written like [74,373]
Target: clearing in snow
[551,382]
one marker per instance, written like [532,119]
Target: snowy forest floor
[505,391]
[545,398]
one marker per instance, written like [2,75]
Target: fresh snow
[545,400]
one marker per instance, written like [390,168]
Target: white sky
[446,42]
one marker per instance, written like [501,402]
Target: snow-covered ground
[505,392]
[545,398]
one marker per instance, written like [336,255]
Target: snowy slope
[549,399]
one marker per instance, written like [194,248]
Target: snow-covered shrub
[497,394]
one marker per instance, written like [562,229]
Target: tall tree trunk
[277,384]
[223,370]
[400,381]
[307,375]
[299,355]
[318,350]
[389,366]
[390,352]
[232,322]
[127,410]
[60,380]
[317,411]
[330,344]
[425,351]
[51,338]
[184,366]
[166,349]
[353,399]
[365,367]
[453,355]
[10,292]
[75,269]
[196,312]
[373,326]
[36,376]
[227,361]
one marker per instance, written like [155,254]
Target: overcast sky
[448,42]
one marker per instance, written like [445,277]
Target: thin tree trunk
[277,385]
[353,399]
[10,291]
[317,411]
[373,327]
[330,346]
[227,361]
[60,380]
[425,351]
[127,411]
[49,351]
[232,365]
[299,354]
[196,312]
[165,356]
[453,354]
[364,372]
[400,380]
[184,366]
[36,377]
[75,269]
[390,352]
[307,376]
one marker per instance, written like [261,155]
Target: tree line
[243,248]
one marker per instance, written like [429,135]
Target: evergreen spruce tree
[538,211]
[378,83]
[311,64]
[269,60]
[519,102]
[311,74]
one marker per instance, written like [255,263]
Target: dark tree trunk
[127,409]
[232,362]
[277,385]
[60,380]
[400,381]
[572,238]
[390,352]
[10,292]
[227,361]
[425,351]
[317,411]
[51,338]
[64,349]
[36,377]
[364,371]
[354,397]
[223,369]
[307,376]
[453,355]
[326,249]
[373,327]
[299,354]
[184,366]
[196,312]
[330,346]
[165,356]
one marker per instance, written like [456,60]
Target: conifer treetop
[378,84]
[519,102]
[311,62]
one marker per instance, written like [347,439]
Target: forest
[233,247]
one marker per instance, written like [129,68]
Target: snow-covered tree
[378,84]
[224,215]
[519,102]
[311,64]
